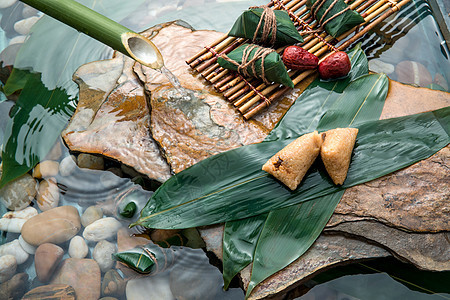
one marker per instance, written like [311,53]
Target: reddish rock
[51,292]
[15,287]
[46,259]
[82,274]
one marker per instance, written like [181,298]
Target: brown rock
[46,168]
[89,161]
[82,274]
[48,194]
[56,225]
[113,284]
[51,292]
[46,259]
[412,72]
[15,287]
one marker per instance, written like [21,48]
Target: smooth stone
[149,288]
[7,3]
[90,161]
[54,153]
[18,39]
[78,247]
[102,254]
[8,266]
[15,287]
[46,259]
[81,274]
[412,72]
[379,66]
[102,229]
[113,284]
[30,249]
[67,165]
[440,80]
[15,249]
[51,292]
[29,11]
[90,215]
[24,26]
[13,221]
[46,168]
[56,225]
[48,194]
[19,193]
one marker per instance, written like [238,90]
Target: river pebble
[19,193]
[14,248]
[90,215]
[7,3]
[67,165]
[46,259]
[379,66]
[18,39]
[51,291]
[30,249]
[412,72]
[55,152]
[24,26]
[8,266]
[81,274]
[78,247]
[48,194]
[149,288]
[113,284]
[13,221]
[90,161]
[29,11]
[102,254]
[15,287]
[102,229]
[46,168]
[56,225]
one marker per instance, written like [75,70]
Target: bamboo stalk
[102,29]
[209,54]
[205,49]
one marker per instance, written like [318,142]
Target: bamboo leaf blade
[288,233]
[381,147]
[240,239]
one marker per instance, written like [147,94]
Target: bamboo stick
[204,50]
[209,55]
[213,79]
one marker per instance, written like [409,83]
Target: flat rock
[81,274]
[46,259]
[51,291]
[17,194]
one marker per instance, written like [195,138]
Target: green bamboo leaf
[239,236]
[16,81]
[231,186]
[239,242]
[288,233]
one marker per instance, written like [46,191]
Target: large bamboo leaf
[239,241]
[289,232]
[231,186]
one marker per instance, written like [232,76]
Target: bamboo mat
[250,95]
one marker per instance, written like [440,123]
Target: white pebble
[78,247]
[18,39]
[102,254]
[102,229]
[29,11]
[30,249]
[14,248]
[8,265]
[13,221]
[379,66]
[7,3]
[24,26]
[67,165]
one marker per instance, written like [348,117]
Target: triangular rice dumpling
[292,162]
[336,152]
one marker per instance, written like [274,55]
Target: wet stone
[67,165]
[45,169]
[46,259]
[15,287]
[102,229]
[48,194]
[19,193]
[14,248]
[24,26]
[30,249]
[78,247]
[89,161]
[51,291]
[90,215]
[113,284]
[13,221]
[8,265]
[379,66]
[412,72]
[149,288]
[7,3]
[102,254]
[81,274]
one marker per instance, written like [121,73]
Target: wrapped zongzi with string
[255,61]
[334,16]
[266,26]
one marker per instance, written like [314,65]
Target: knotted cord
[270,25]
[318,5]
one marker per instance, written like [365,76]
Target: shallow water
[390,43]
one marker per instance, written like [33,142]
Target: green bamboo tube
[102,29]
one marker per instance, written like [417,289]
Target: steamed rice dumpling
[336,152]
[328,14]
[267,27]
[255,61]
[292,162]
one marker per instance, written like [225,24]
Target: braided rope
[270,25]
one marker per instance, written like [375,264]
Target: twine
[250,63]
[270,24]
[318,5]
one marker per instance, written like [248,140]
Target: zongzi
[266,26]
[292,162]
[256,61]
[336,152]
[334,16]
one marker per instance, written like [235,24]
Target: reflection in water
[110,190]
